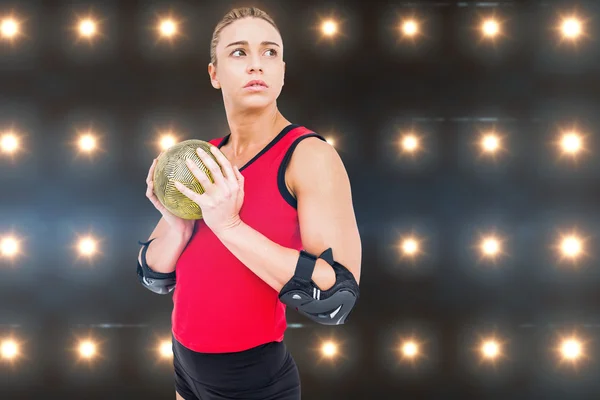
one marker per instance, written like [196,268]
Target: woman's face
[249,49]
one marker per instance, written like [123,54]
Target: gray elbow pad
[156,282]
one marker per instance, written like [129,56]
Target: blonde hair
[232,16]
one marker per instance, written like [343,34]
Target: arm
[326,218]
[165,249]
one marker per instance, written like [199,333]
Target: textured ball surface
[170,167]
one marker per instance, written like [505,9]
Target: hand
[222,200]
[179,224]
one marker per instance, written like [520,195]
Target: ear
[212,73]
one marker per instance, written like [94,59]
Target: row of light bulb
[570,142]
[10,246]
[570,246]
[570,27]
[11,349]
[88,142]
[89,27]
[569,348]
[492,349]
[86,28]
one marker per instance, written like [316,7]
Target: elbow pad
[156,282]
[329,307]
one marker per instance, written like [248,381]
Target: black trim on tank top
[283,190]
[272,143]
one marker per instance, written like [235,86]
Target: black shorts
[266,372]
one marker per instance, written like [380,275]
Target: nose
[255,63]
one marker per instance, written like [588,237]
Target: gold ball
[170,167]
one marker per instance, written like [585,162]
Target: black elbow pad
[328,307]
[156,282]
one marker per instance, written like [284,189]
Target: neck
[253,128]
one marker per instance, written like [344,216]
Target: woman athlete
[283,189]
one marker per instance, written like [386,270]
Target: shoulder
[312,158]
[313,149]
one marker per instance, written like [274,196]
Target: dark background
[363,88]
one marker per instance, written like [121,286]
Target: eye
[235,51]
[272,51]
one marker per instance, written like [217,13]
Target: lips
[256,83]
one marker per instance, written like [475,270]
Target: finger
[190,194]
[239,176]
[200,175]
[150,188]
[149,191]
[212,166]
[150,176]
[224,162]
[157,204]
[153,198]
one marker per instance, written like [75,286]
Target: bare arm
[164,251]
[326,217]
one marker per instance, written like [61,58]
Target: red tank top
[219,305]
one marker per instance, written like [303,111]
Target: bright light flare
[410,143]
[329,27]
[9,246]
[490,349]
[167,140]
[9,143]
[490,247]
[9,349]
[9,28]
[571,247]
[168,28]
[571,143]
[410,28]
[165,349]
[571,349]
[330,140]
[87,349]
[410,349]
[87,142]
[490,28]
[329,349]
[490,143]
[410,246]
[87,28]
[571,28]
[87,246]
